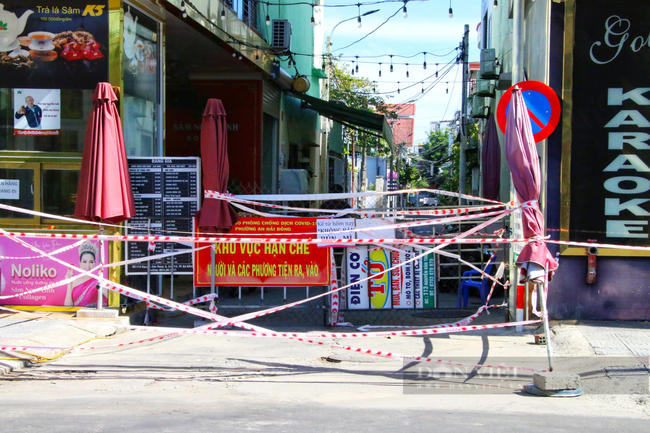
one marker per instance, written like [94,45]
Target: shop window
[59,187]
[18,188]
[142,95]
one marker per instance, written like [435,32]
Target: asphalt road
[202,383]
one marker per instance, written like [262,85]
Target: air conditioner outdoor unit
[485,88]
[488,70]
[479,109]
[281,35]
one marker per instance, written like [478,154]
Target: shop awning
[347,116]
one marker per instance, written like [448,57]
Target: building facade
[594,54]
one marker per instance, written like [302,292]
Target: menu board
[167,195]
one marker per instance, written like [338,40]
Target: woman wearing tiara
[84,293]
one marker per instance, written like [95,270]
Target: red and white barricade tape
[463,322]
[201,299]
[209,194]
[335,306]
[310,197]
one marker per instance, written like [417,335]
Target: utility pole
[463,115]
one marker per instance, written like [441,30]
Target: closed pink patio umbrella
[535,260]
[523,161]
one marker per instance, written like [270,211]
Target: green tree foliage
[359,93]
[410,176]
[446,165]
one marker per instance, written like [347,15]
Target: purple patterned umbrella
[523,161]
[491,161]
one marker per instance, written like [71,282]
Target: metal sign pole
[146,315]
[547,330]
[212,268]
[171,295]
[100,296]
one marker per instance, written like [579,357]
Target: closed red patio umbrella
[491,161]
[523,160]
[534,261]
[104,192]
[216,216]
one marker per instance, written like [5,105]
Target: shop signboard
[379,260]
[610,127]
[417,278]
[23,270]
[53,44]
[37,112]
[166,195]
[402,279]
[428,281]
[357,270]
[266,263]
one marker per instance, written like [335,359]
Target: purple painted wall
[621,290]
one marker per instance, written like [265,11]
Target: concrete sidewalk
[23,329]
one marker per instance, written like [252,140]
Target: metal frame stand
[547,329]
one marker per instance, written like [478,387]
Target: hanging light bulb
[424,65]
[422,87]
[407,70]
[496,4]
[391,63]
[313,20]
[359,15]
[183,6]
[223,15]
[380,69]
[447,89]
[268,20]
[356,68]
[436,70]
[451,11]
[352,73]
[405,12]
[398,88]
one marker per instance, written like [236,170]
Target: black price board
[167,194]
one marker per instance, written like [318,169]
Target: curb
[101,329]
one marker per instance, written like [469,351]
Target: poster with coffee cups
[53,44]
[37,112]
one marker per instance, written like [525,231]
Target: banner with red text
[269,263]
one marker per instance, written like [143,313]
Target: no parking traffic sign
[543,108]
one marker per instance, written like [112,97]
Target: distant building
[404,126]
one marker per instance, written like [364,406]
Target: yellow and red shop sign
[266,263]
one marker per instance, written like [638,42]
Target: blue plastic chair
[483,285]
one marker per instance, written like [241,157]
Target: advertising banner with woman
[23,270]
